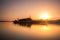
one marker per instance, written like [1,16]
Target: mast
[29,15]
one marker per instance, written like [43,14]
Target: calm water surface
[10,30]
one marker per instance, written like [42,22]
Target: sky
[13,9]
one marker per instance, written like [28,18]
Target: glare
[45,16]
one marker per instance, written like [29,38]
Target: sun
[45,16]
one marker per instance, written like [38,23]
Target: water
[10,30]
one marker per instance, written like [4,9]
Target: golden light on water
[45,16]
[39,31]
[45,28]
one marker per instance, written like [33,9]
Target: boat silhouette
[25,20]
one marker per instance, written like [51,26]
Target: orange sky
[12,10]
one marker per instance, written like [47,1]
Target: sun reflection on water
[45,27]
[45,30]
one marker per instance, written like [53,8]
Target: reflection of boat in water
[25,24]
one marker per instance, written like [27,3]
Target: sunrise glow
[45,16]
